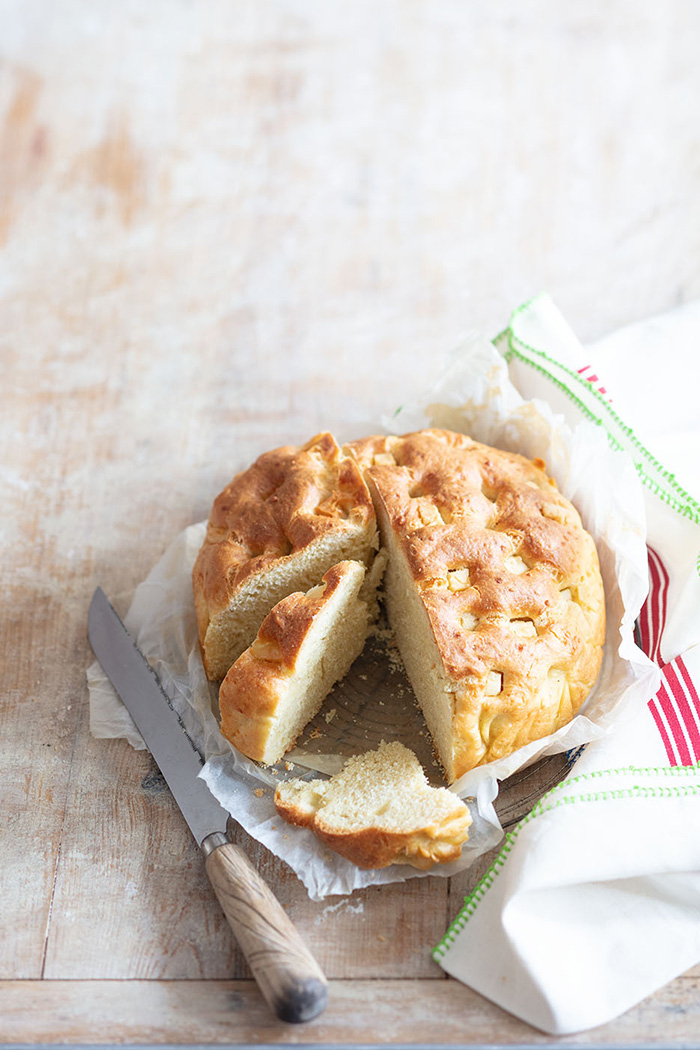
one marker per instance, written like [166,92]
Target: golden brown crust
[288,499]
[285,500]
[495,552]
[373,848]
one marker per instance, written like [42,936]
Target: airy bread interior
[306,644]
[380,810]
[419,652]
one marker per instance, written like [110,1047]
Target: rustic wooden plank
[359,1011]
[131,878]
[383,931]
[43,684]
[38,733]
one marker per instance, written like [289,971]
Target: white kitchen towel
[594,901]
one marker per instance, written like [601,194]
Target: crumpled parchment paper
[472,394]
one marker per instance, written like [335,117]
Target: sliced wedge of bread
[304,645]
[380,810]
[275,530]
[493,589]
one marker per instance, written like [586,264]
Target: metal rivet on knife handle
[288,975]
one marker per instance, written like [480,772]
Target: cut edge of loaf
[419,650]
[304,646]
[380,810]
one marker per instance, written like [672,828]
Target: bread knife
[288,975]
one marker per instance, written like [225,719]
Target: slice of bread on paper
[379,810]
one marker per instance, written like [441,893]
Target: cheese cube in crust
[380,810]
[275,529]
[304,645]
[492,587]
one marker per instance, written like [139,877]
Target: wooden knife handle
[287,973]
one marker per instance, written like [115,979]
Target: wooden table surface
[225,226]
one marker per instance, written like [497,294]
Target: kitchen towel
[594,901]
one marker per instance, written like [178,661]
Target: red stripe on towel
[675,724]
[686,704]
[676,712]
[656,715]
[592,378]
[652,618]
[689,684]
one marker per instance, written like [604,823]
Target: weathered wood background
[223,226]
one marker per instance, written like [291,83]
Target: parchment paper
[472,394]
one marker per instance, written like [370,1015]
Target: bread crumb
[381,937]
[259,792]
[330,715]
[315,733]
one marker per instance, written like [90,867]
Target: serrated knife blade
[156,719]
[287,974]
